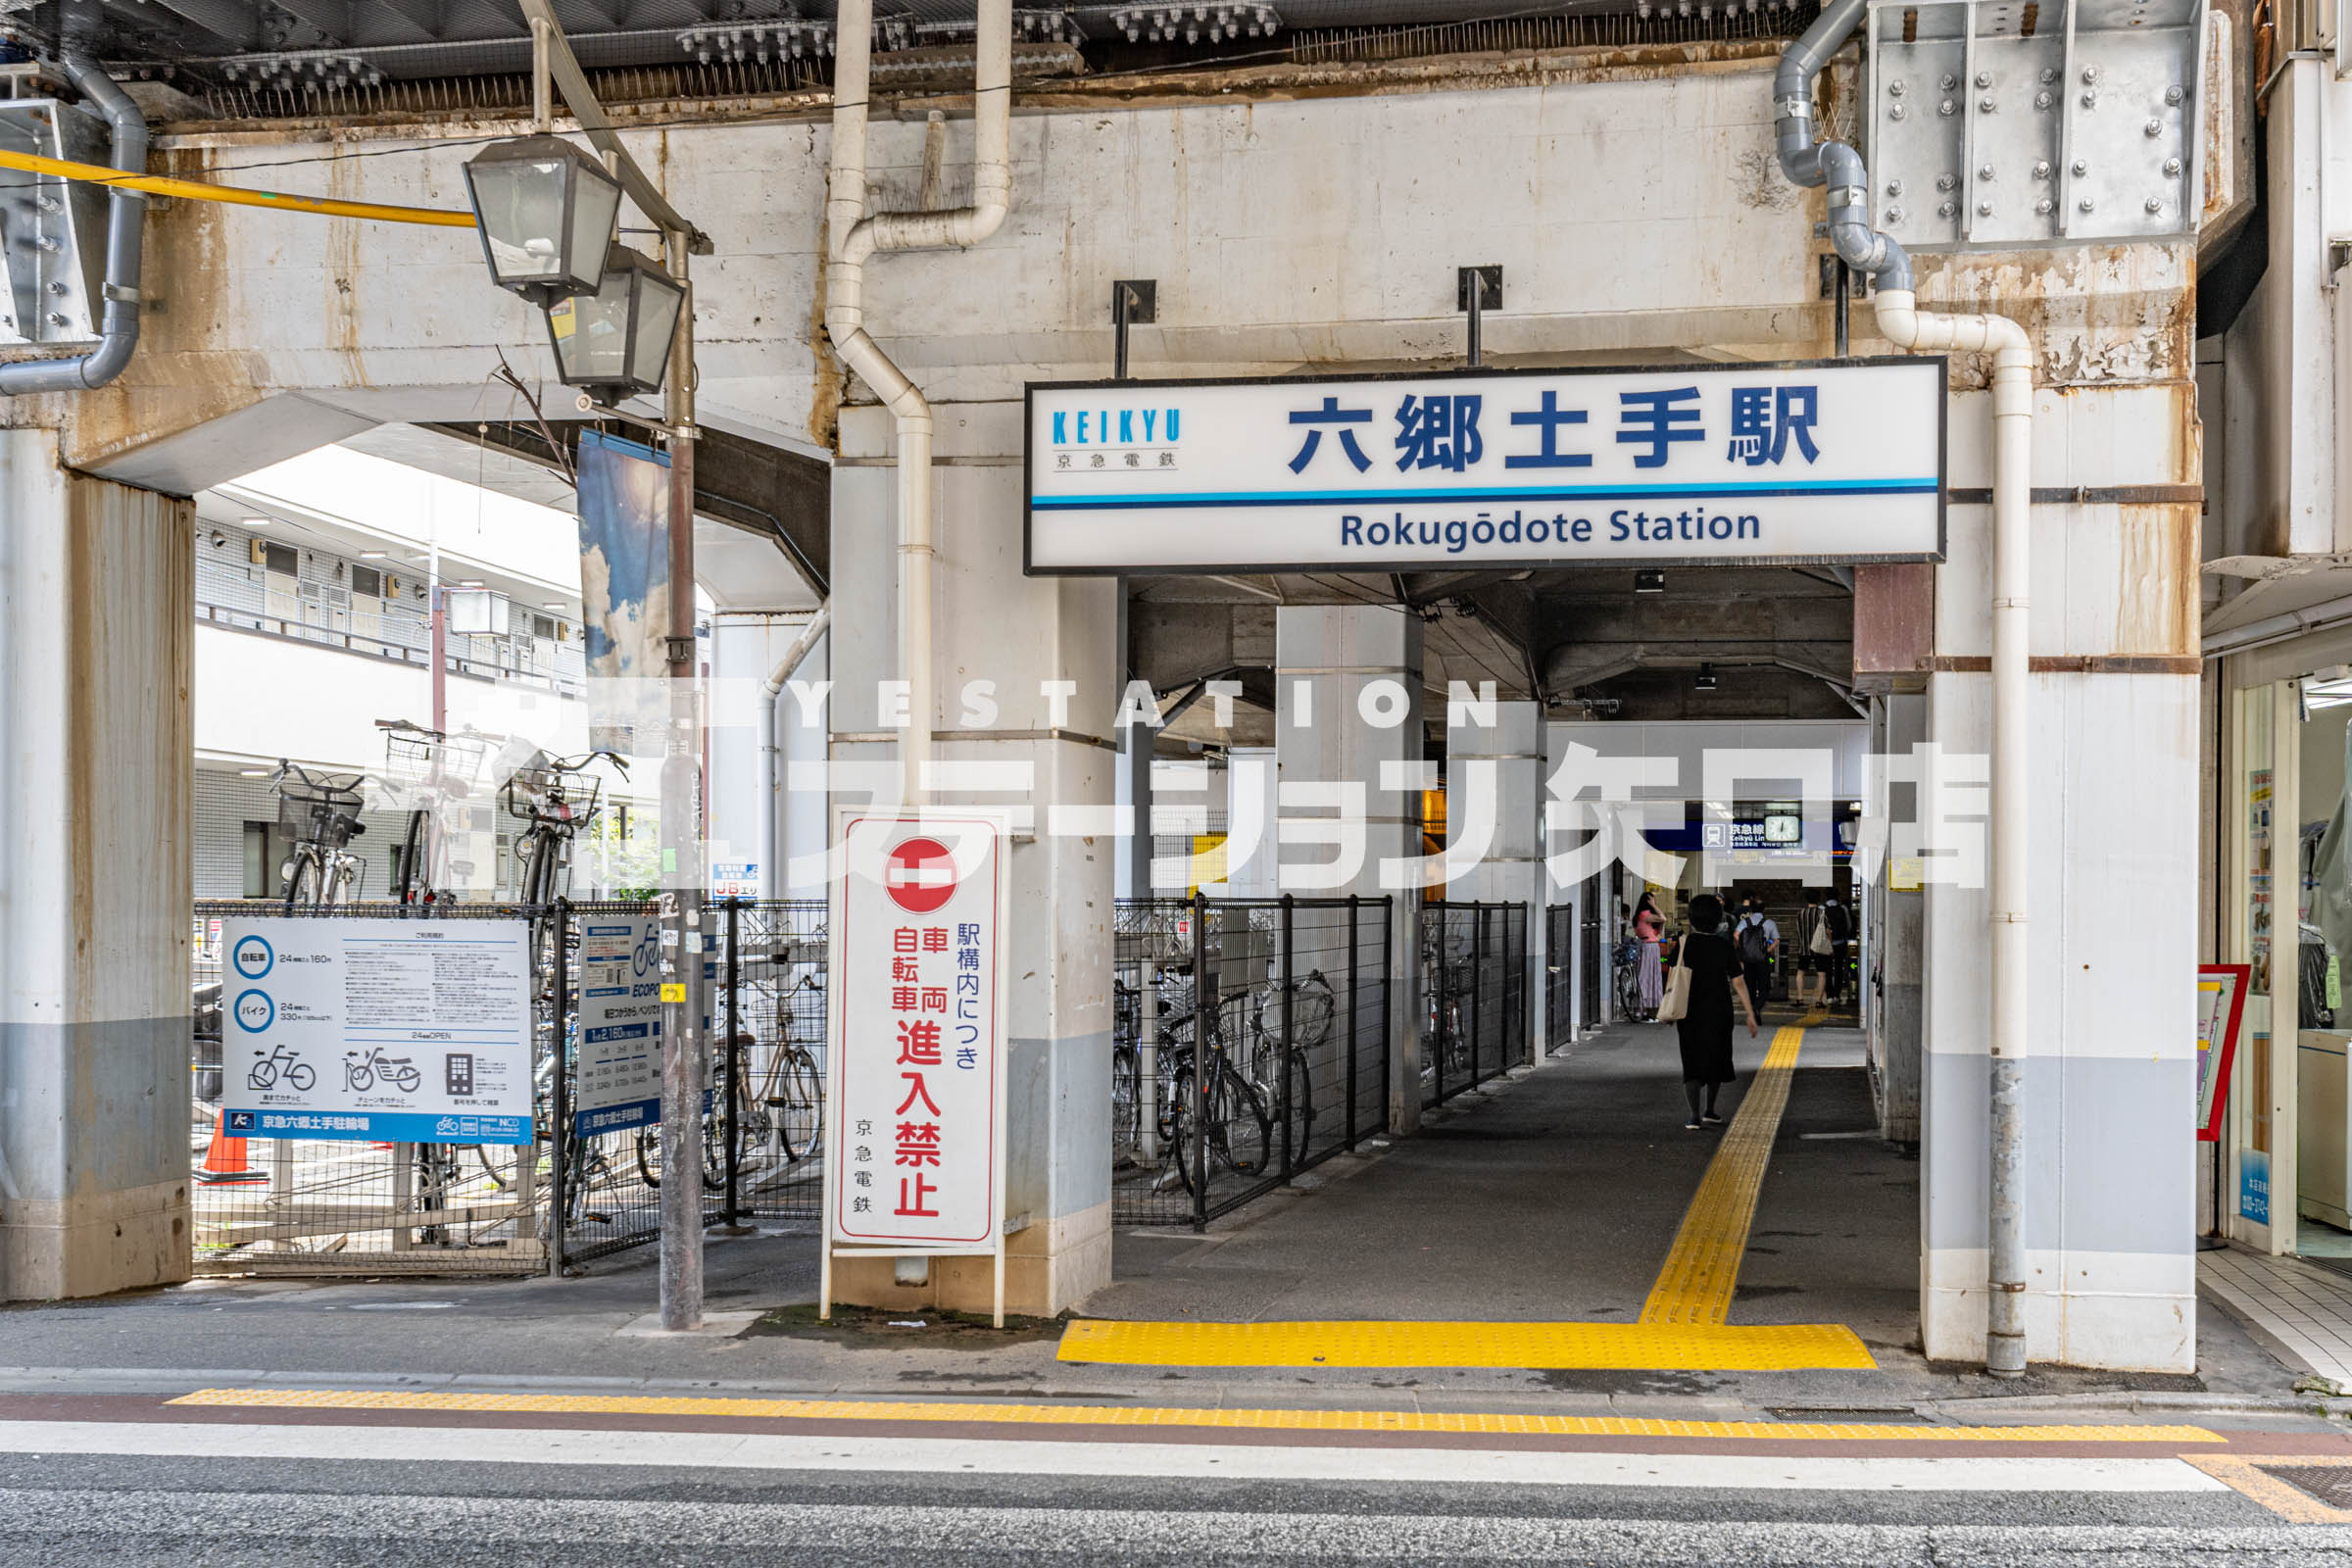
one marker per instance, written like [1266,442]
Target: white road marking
[1272,1462]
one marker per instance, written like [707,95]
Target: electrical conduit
[1840,168]
[854,237]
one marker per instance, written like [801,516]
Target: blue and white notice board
[395,1031]
[1840,460]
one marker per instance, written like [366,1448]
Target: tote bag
[1677,1000]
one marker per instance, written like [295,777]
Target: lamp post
[548,216]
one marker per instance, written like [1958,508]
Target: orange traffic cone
[225,1161]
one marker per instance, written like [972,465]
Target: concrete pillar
[1332,727]
[1900,723]
[1511,746]
[1007,641]
[96,765]
[2111,903]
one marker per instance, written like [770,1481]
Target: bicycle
[1312,1008]
[280,1063]
[1230,1110]
[320,812]
[557,798]
[432,773]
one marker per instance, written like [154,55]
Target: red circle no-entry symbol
[919,876]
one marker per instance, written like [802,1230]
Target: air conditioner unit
[260,551]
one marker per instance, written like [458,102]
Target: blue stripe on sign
[381,1126]
[1408,498]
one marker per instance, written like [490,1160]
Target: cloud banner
[624,591]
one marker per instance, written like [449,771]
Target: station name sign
[1718,465]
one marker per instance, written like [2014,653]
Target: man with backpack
[1840,923]
[1757,941]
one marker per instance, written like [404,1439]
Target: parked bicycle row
[1249,1042]
[439,784]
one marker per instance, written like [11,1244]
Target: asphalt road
[224,1508]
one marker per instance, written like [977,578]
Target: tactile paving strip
[1618,1346]
[1467,1423]
[1702,1268]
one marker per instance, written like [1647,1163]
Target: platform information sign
[399,1031]
[918,1023]
[1717,464]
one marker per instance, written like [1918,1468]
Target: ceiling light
[1706,678]
[470,582]
[374,555]
[1649,580]
[253,773]
[258,522]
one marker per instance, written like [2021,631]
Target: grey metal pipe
[127,216]
[1834,163]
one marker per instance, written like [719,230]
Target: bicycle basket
[319,808]
[544,792]
[415,763]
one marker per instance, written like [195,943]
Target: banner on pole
[625,592]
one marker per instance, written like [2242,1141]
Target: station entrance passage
[1565,1219]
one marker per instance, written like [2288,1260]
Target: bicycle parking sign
[396,1031]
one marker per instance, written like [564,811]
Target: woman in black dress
[1705,1029]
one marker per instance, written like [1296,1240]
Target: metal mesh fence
[1248,1044]
[1474,990]
[771,1066]
[338,1204]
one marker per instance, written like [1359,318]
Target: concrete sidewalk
[1556,1196]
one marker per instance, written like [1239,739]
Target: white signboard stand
[918,969]
[391,1031]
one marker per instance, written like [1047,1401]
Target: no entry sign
[920,876]
[917,1004]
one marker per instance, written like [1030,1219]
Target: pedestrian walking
[1704,1031]
[1758,941]
[1838,922]
[1649,929]
[1814,949]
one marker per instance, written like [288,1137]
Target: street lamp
[547,212]
[616,340]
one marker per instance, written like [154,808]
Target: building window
[257,861]
[367,583]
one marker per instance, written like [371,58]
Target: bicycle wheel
[1125,1111]
[409,886]
[1240,1129]
[801,1108]
[302,880]
[1176,1128]
[539,870]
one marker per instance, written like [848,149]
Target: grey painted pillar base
[96,763]
[1326,657]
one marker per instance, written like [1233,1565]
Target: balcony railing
[360,645]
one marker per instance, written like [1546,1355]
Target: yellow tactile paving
[1621,1346]
[1469,1423]
[1703,1266]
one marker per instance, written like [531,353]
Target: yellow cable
[202,191]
